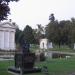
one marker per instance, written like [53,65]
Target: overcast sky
[33,12]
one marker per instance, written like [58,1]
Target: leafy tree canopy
[28,34]
[61,32]
[4,9]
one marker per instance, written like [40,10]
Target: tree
[62,32]
[59,32]
[72,30]
[18,36]
[4,9]
[39,33]
[52,31]
[28,35]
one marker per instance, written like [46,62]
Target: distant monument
[45,44]
[74,45]
[51,17]
[24,60]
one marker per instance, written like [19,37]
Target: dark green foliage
[18,35]
[52,31]
[39,33]
[4,9]
[28,35]
[7,0]
[62,32]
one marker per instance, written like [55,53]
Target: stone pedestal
[24,62]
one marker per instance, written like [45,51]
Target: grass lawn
[66,49]
[63,48]
[55,66]
[4,66]
[60,66]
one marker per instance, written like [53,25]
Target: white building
[74,45]
[7,36]
[45,44]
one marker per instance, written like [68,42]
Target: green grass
[55,66]
[58,66]
[4,66]
[63,48]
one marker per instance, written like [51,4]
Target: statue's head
[51,17]
[52,14]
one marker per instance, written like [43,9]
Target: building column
[1,39]
[12,40]
[6,40]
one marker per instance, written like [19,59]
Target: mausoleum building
[7,36]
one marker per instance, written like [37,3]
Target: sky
[33,12]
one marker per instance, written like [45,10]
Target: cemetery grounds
[56,66]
